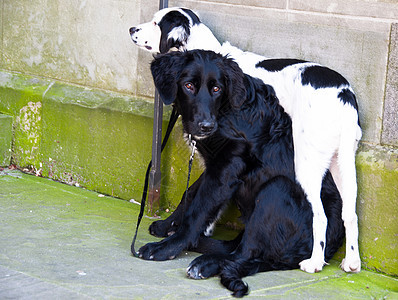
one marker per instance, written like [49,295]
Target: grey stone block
[390,119]
[87,43]
[375,9]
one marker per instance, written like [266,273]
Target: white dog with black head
[322,106]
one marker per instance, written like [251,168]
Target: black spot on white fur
[194,18]
[322,77]
[348,97]
[275,65]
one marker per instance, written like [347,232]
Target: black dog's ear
[235,83]
[166,70]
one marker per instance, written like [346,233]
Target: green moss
[5,139]
[377,205]
[347,286]
[21,96]
[96,148]
[17,90]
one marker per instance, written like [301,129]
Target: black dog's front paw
[163,250]
[162,228]
[204,266]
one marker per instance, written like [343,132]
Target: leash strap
[173,119]
[192,143]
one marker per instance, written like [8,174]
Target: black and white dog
[246,141]
[322,106]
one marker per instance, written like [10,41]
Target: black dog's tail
[233,271]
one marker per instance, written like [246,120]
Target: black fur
[249,159]
[322,77]
[278,64]
[172,20]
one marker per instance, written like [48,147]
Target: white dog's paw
[312,265]
[351,265]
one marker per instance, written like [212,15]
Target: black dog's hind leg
[214,252]
[277,236]
[167,227]
[208,245]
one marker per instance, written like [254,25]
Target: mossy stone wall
[88,137]
[377,169]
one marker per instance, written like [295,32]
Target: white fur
[202,38]
[325,134]
[147,36]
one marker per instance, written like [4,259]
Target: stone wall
[81,42]
[76,93]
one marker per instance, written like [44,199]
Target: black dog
[245,139]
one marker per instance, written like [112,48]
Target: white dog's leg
[311,161]
[312,186]
[344,170]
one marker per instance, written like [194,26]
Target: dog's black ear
[165,44]
[166,69]
[235,83]
[175,30]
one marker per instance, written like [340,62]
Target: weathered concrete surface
[81,42]
[390,118]
[5,139]
[21,97]
[377,207]
[387,9]
[64,242]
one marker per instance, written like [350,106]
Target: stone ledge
[90,138]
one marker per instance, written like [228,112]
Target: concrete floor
[64,242]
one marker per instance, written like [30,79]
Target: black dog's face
[200,95]
[201,84]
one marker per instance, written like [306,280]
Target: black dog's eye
[154,23]
[216,89]
[189,86]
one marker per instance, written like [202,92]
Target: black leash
[173,119]
[192,143]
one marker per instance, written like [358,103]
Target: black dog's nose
[206,126]
[134,30]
